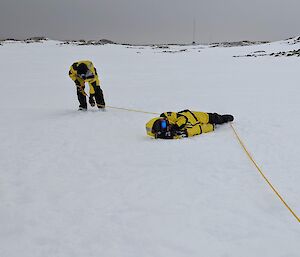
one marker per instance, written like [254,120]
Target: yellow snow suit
[93,80]
[192,122]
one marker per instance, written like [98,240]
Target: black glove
[181,133]
[174,128]
[77,83]
[82,76]
[165,135]
[91,100]
[176,131]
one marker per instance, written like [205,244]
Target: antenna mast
[194,30]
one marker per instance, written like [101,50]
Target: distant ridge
[88,42]
[238,43]
[83,42]
[27,40]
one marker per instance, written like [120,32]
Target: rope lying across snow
[130,110]
[260,171]
[244,148]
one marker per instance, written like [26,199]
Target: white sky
[155,21]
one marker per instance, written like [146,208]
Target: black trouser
[215,118]
[81,98]
[98,96]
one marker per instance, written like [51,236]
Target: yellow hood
[149,126]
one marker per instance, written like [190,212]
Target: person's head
[82,70]
[158,128]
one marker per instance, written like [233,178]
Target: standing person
[174,125]
[84,71]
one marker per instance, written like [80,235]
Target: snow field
[92,184]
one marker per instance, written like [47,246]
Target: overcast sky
[151,21]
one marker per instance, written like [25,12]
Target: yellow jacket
[191,122]
[92,81]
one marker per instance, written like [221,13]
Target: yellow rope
[265,178]
[118,108]
[130,110]
[243,146]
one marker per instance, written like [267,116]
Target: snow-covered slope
[92,184]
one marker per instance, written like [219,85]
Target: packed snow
[76,184]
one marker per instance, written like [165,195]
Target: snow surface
[76,184]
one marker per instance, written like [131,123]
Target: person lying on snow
[81,72]
[186,123]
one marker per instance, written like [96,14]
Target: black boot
[227,117]
[82,108]
[91,100]
[215,118]
[99,97]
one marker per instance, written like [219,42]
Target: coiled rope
[245,150]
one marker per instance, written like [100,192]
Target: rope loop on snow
[260,171]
